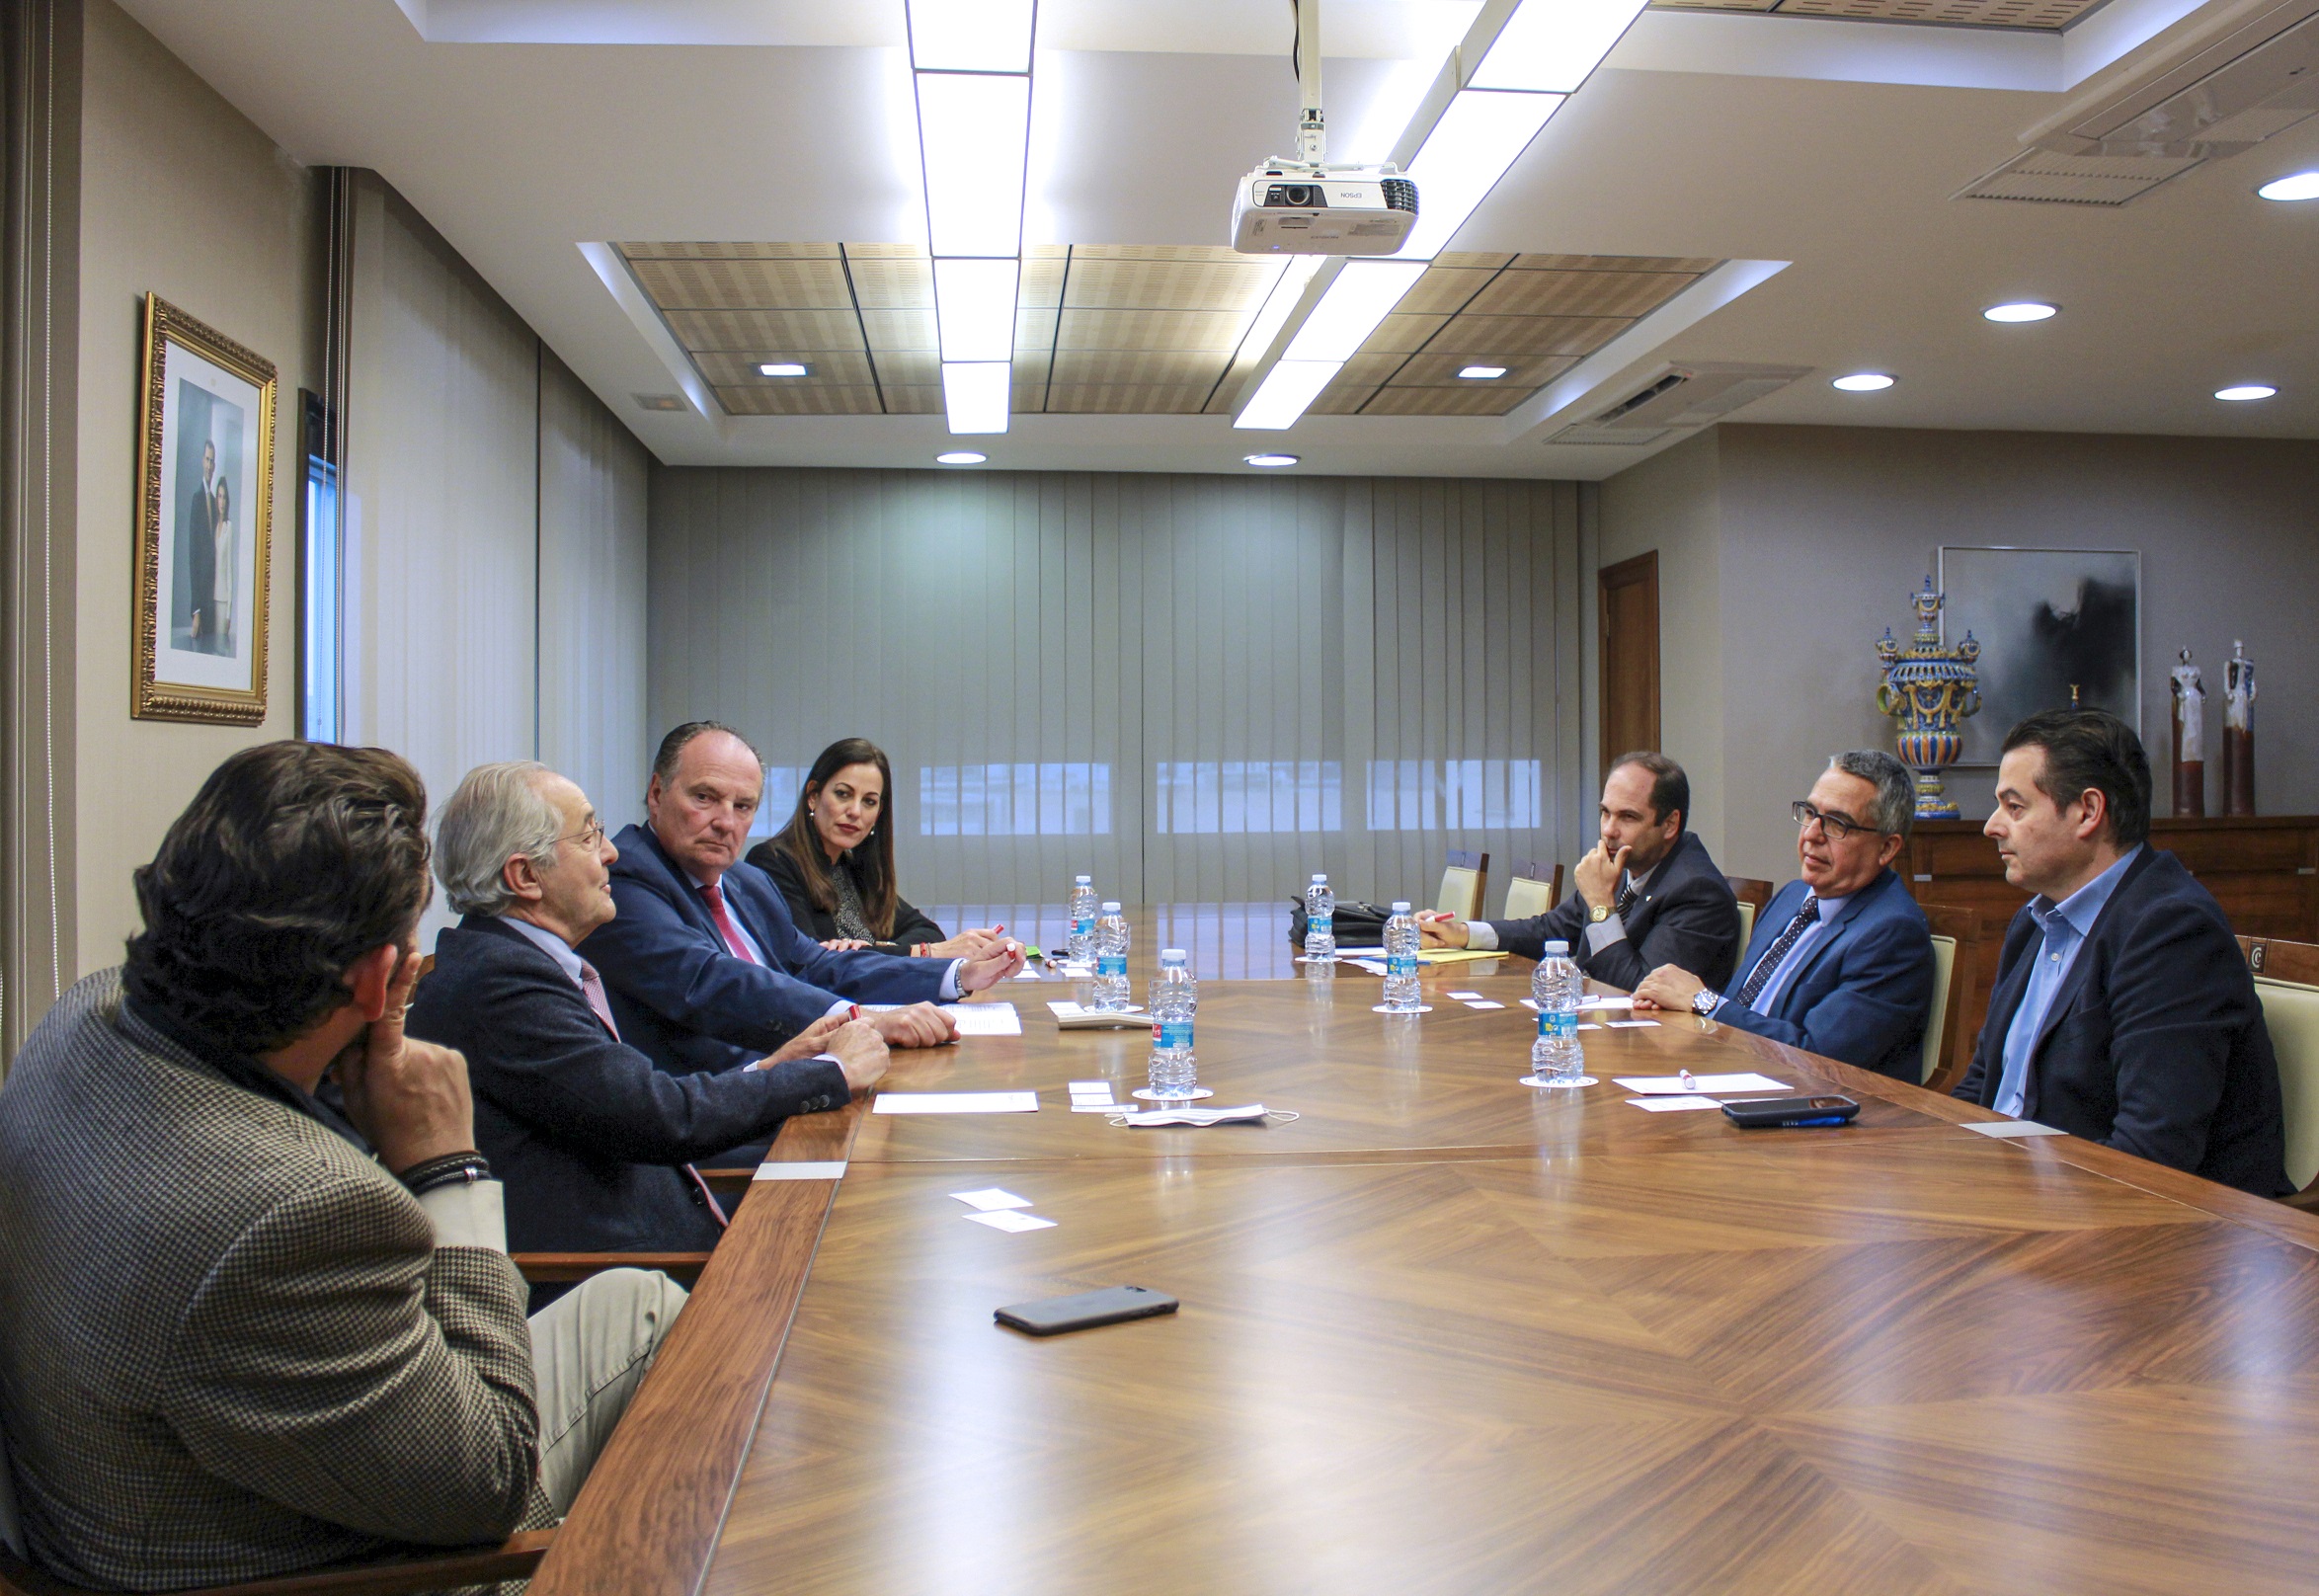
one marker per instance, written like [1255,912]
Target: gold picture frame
[205,524]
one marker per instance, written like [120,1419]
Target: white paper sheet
[1374,967]
[1010,1221]
[991,1198]
[1090,1088]
[985,1019]
[1629,1024]
[1675,1105]
[2014,1127]
[799,1171]
[1605,1000]
[1469,997]
[1654,1085]
[956,1103]
[1481,1003]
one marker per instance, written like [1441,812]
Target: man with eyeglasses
[1841,963]
[593,1140]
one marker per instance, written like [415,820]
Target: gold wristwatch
[1598,913]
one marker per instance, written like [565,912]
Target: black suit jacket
[2155,1044]
[1687,917]
[588,1136]
[910,924]
[199,541]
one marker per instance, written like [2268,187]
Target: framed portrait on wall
[2050,622]
[205,504]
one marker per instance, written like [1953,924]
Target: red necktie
[591,989]
[725,926]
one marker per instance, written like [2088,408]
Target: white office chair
[2291,1012]
[1531,890]
[1462,884]
[1935,1022]
[1746,923]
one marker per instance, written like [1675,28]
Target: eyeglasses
[589,837]
[1836,826]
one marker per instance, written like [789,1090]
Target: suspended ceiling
[532,133]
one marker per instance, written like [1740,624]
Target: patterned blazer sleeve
[338,1362]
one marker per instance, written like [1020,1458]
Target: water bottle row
[1556,986]
[1172,1072]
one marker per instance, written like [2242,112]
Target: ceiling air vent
[2222,88]
[1678,397]
[661,401]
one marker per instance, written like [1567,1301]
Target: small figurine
[2190,737]
[2238,732]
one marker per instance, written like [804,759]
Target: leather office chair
[1950,1033]
[1533,889]
[2287,980]
[1752,895]
[1462,883]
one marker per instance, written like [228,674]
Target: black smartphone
[1827,1110]
[1110,1305]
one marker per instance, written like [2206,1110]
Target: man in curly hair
[241,1333]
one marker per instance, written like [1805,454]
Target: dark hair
[872,858]
[1670,788]
[293,861]
[2092,747]
[673,746]
[1895,782]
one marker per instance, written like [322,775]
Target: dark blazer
[1860,990]
[685,1001]
[2155,1044]
[199,561]
[586,1135]
[910,925]
[1687,917]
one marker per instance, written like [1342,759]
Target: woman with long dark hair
[834,861]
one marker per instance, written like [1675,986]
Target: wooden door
[1629,613]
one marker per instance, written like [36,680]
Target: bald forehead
[561,791]
[722,757]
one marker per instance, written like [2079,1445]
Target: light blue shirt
[1769,997]
[554,946]
[2065,925]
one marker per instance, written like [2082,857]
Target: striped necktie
[1769,964]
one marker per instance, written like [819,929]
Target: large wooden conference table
[1446,1332]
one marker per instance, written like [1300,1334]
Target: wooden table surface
[1446,1332]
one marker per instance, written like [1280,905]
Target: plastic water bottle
[1555,1058]
[1400,961]
[1175,1002]
[1081,944]
[1111,989]
[1319,920]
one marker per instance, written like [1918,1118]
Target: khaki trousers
[590,1348]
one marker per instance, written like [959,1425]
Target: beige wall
[182,197]
[1822,534]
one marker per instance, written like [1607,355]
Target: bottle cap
[1319,881]
[1110,908]
[1559,949]
[1083,880]
[1172,956]
[1401,908]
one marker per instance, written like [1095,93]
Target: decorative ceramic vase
[1929,689]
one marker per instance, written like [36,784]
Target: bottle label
[1320,925]
[1111,964]
[1175,1033]
[1082,927]
[1401,963]
[1556,1027]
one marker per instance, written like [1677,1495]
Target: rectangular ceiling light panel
[974,395]
[1287,389]
[971,36]
[974,132]
[1550,45]
[974,305]
[1479,136]
[1362,296]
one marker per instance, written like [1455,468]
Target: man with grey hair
[594,1142]
[1841,963]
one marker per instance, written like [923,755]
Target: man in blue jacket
[705,966]
[2123,1010]
[1841,963]
[593,1141]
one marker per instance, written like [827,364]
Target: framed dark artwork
[204,523]
[2050,622]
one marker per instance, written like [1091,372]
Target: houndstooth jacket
[229,1346]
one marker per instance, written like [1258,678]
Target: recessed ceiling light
[1272,460]
[960,457]
[780,369]
[1863,383]
[1483,374]
[2245,391]
[2026,310]
[2300,185]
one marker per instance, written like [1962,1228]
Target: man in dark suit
[706,969]
[593,1141]
[1647,893]
[2124,1011]
[197,562]
[1841,963]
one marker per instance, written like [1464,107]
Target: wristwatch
[1598,913]
[1705,1001]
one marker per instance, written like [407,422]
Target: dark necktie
[1767,966]
[591,989]
[1626,900]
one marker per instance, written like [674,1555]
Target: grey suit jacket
[229,1346]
